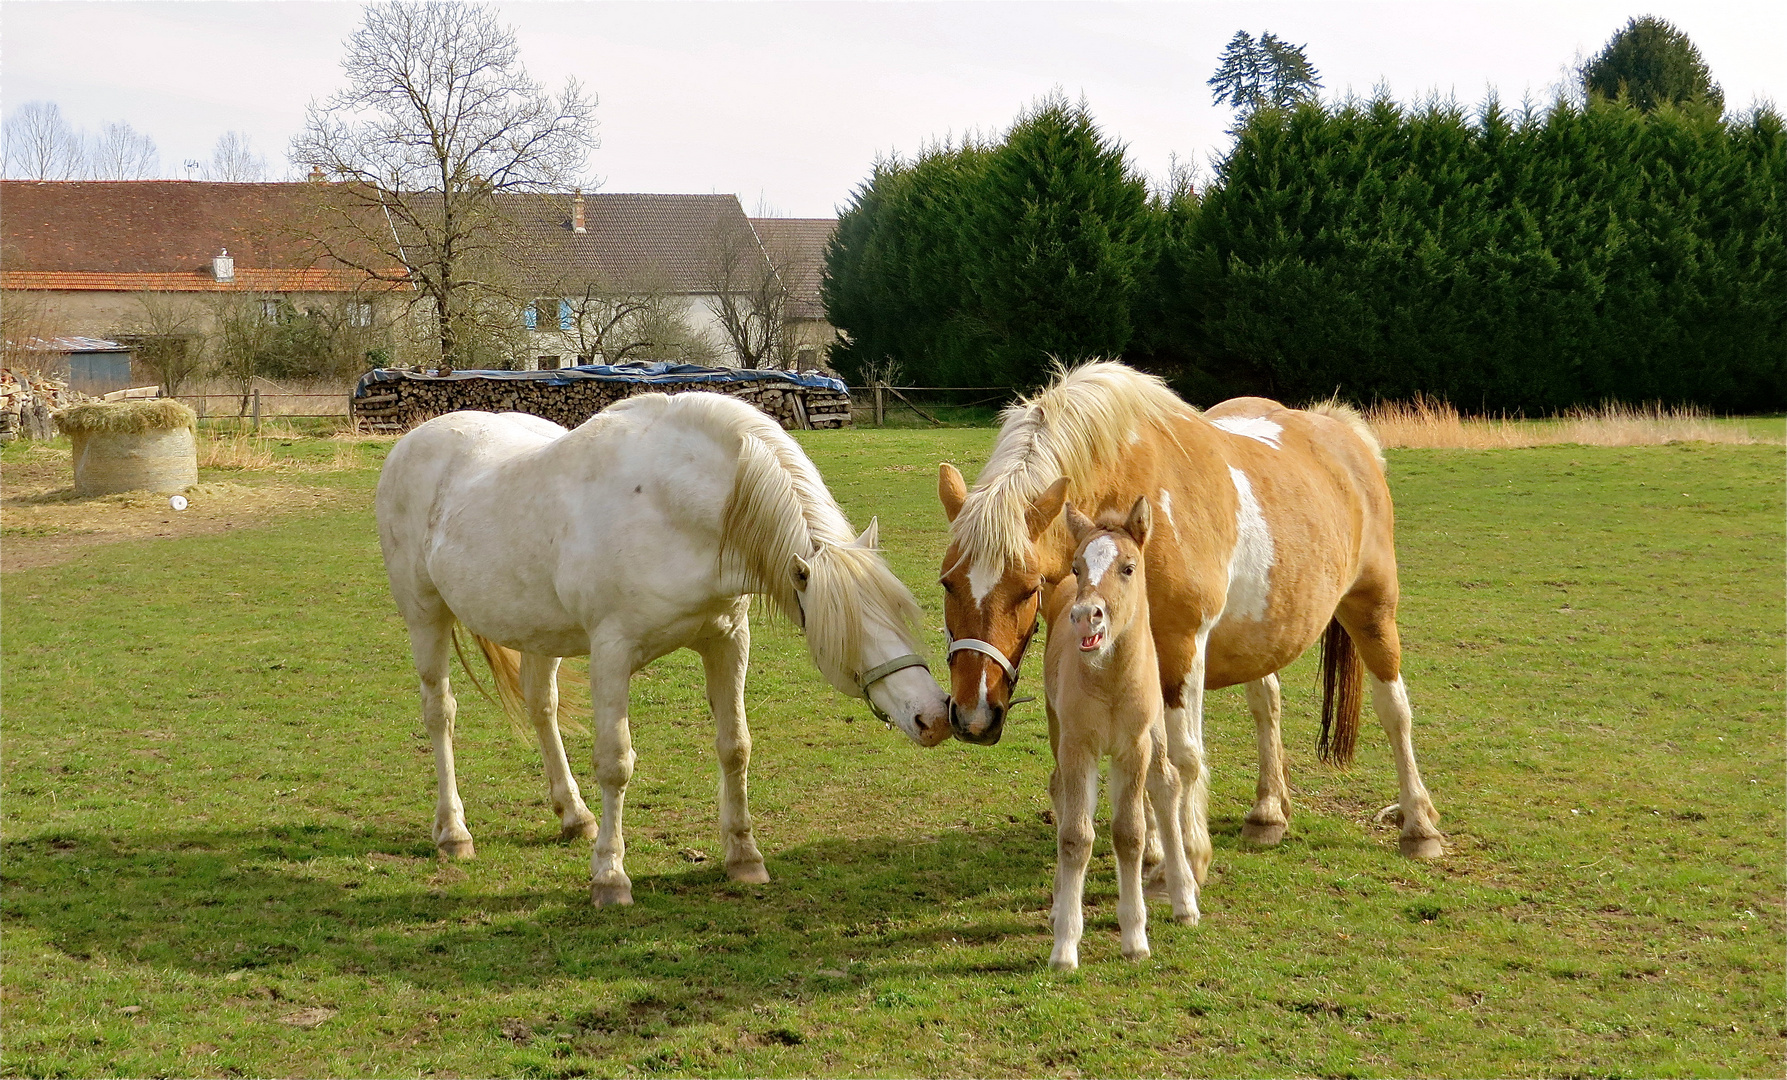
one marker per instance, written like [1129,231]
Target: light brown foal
[1103,683]
[1273,529]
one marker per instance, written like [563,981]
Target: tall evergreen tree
[1651,63]
[1254,74]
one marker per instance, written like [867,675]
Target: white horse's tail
[505,674]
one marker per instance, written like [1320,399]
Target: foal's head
[1112,593]
[992,598]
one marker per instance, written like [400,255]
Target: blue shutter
[564,315]
[530,316]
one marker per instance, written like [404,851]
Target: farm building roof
[797,247]
[161,235]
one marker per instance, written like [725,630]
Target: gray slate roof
[664,241]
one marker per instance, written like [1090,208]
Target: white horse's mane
[1075,428]
[780,509]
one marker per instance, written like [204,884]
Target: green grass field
[217,795]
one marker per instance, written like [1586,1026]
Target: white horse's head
[862,631]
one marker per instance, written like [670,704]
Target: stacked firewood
[400,404]
[26,402]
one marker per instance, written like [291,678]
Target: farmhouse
[163,261]
[797,248]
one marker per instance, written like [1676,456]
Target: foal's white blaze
[1257,428]
[1250,565]
[1166,504]
[1100,553]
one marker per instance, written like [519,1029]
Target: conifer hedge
[1526,260]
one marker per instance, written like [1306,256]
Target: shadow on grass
[320,902]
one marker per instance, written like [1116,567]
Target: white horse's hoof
[584,829]
[1422,847]
[1138,955]
[456,849]
[1265,835]
[611,895]
[1064,963]
[750,873]
[1190,918]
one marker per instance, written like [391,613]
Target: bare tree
[439,119]
[122,153]
[233,160]
[748,296]
[40,144]
[167,331]
[27,321]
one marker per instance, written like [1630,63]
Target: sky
[788,105]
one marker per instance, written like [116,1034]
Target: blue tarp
[632,373]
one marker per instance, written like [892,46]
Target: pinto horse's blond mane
[780,509]
[1076,428]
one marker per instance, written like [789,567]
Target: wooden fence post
[257,410]
[880,403]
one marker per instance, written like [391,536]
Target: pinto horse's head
[992,600]
[1111,591]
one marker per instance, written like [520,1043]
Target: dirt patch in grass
[43,523]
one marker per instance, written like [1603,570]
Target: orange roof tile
[247,280]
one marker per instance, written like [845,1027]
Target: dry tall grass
[1429,423]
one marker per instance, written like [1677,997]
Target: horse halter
[882,671]
[987,648]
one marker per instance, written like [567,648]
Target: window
[269,310]
[359,313]
[543,313]
[547,363]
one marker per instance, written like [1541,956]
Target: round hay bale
[132,446]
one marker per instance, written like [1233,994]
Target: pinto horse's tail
[1342,678]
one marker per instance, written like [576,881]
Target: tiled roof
[662,241]
[797,246]
[161,234]
[255,281]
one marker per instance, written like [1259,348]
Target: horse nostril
[997,712]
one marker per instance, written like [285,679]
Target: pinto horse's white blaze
[643,531]
[1250,565]
[982,577]
[1257,428]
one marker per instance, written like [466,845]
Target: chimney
[577,213]
[316,174]
[223,268]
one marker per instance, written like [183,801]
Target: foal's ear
[1140,521]
[802,573]
[870,535]
[951,490]
[1078,524]
[1044,507]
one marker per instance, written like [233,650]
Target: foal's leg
[609,673]
[431,642]
[1372,626]
[539,686]
[1271,812]
[725,651]
[1129,770]
[1073,788]
[1165,790]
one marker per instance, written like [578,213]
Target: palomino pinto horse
[1271,527]
[643,531]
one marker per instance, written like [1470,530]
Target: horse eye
[1129,570]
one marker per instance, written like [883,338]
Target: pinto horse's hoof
[1264,835]
[579,830]
[1422,847]
[456,849]
[611,895]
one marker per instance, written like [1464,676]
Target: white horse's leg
[1073,788]
[1129,770]
[1185,749]
[725,651]
[1420,821]
[1271,812]
[609,674]
[1165,790]
[539,686]
[431,642]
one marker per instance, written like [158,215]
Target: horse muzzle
[978,726]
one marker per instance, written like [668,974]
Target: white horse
[643,531]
